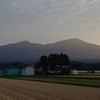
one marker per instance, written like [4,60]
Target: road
[11,89]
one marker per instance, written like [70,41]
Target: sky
[49,21]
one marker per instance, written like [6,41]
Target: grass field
[82,80]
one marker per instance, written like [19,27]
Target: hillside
[31,52]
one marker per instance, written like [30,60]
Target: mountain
[28,52]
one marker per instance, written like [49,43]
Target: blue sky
[48,21]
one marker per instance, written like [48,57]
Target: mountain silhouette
[28,52]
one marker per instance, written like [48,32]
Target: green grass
[71,80]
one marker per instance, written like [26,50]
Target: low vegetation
[92,81]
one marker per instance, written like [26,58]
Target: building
[1,73]
[74,72]
[97,71]
[12,71]
[28,71]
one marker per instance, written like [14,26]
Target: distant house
[56,70]
[65,66]
[82,71]
[74,72]
[28,71]
[97,71]
[1,73]
[39,70]
[12,71]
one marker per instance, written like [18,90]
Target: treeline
[84,66]
[54,61]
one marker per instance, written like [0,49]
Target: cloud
[48,20]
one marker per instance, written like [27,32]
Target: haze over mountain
[27,52]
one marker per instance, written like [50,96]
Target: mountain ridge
[25,51]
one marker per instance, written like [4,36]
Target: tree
[53,60]
[64,60]
[16,65]
[44,62]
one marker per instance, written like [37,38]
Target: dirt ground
[11,89]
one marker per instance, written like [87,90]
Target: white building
[65,66]
[82,71]
[29,70]
[97,71]
[74,72]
